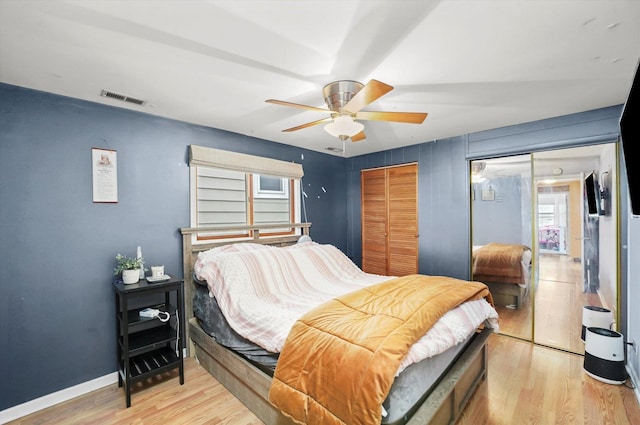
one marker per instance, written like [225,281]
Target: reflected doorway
[561,294]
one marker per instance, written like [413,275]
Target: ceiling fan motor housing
[339,93]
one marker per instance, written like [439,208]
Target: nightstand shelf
[149,339]
[135,319]
[148,346]
[146,365]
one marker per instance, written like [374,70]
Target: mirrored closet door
[556,210]
[501,199]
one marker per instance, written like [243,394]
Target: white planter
[130,276]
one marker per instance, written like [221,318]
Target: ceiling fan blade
[358,137]
[372,91]
[309,124]
[406,117]
[297,105]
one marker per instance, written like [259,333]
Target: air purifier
[597,317]
[604,355]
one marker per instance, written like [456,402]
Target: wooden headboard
[191,250]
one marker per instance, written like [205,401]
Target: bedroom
[58,246]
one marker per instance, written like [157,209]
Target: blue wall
[57,249]
[507,221]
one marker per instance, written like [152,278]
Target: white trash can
[598,317]
[604,355]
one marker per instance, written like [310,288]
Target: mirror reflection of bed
[506,270]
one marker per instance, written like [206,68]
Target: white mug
[157,271]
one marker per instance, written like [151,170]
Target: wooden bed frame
[251,385]
[507,294]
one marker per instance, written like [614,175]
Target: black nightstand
[148,346]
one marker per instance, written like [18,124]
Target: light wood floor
[526,384]
[558,309]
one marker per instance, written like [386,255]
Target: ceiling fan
[345,100]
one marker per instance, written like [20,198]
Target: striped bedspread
[262,290]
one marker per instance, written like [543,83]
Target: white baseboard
[49,400]
[634,381]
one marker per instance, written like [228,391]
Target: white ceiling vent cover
[112,95]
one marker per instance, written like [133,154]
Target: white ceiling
[560,164]
[472,65]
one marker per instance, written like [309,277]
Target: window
[270,187]
[229,193]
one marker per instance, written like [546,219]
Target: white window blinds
[221,197]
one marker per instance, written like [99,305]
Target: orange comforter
[339,360]
[497,262]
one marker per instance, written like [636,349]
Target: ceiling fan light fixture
[343,125]
[478,167]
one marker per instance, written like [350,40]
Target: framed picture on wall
[488,195]
[104,164]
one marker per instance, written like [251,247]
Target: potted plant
[129,267]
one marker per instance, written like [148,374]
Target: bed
[506,270]
[249,371]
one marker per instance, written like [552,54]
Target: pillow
[211,254]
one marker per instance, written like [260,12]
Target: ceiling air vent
[117,96]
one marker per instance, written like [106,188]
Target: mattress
[212,321]
[409,389]
[414,384]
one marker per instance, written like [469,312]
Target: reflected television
[592,193]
